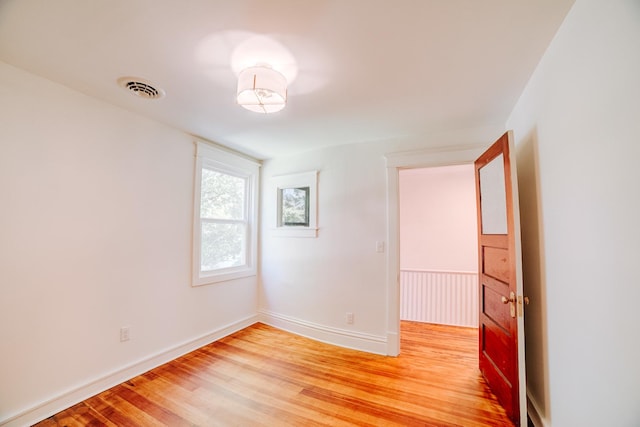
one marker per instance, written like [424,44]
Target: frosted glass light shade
[262,89]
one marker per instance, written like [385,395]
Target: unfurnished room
[319,213]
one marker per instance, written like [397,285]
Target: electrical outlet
[380,246]
[124,334]
[349,318]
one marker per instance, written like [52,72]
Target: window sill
[222,277]
[295,232]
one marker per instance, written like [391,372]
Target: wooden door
[501,324]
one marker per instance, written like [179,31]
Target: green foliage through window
[223,220]
[295,206]
[222,195]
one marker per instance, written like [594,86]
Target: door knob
[512,303]
[512,299]
[506,300]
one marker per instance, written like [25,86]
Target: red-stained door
[501,324]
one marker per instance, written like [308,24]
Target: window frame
[297,180]
[222,161]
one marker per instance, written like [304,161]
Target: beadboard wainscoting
[444,297]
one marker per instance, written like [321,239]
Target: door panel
[496,263]
[495,346]
[501,340]
[500,388]
[494,309]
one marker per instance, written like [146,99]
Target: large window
[225,216]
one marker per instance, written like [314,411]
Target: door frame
[432,157]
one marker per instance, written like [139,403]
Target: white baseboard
[69,398]
[534,413]
[340,337]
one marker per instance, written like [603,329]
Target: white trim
[327,334]
[438,156]
[303,179]
[393,344]
[421,270]
[534,413]
[225,156]
[215,158]
[441,156]
[522,368]
[75,395]
[295,232]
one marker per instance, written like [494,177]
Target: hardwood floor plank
[262,376]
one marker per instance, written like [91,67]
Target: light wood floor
[262,376]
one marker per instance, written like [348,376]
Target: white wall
[309,284]
[438,220]
[95,226]
[317,280]
[577,127]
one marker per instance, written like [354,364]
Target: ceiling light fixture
[262,89]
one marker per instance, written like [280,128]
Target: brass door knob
[506,300]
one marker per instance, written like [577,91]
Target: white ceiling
[366,69]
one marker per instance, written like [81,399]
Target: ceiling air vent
[140,87]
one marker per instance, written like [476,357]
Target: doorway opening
[438,272]
[396,162]
[438,258]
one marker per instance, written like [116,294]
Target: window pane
[295,206]
[223,246]
[493,197]
[222,195]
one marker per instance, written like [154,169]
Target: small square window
[294,206]
[296,201]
